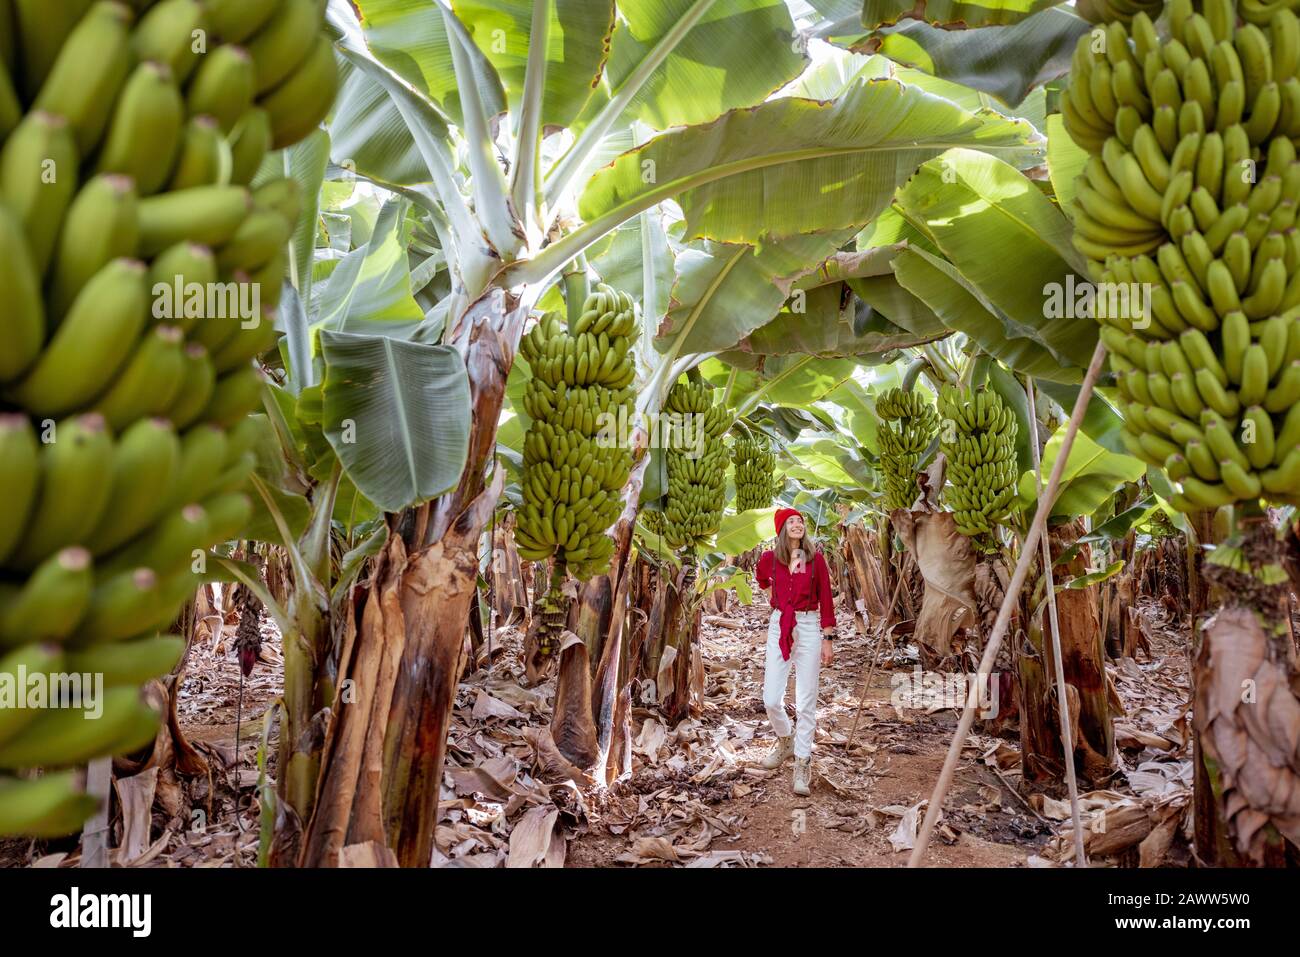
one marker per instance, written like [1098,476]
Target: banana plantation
[432,431]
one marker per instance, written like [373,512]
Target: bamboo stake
[1017,582]
[1063,707]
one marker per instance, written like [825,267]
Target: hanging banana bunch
[127,145]
[572,477]
[1191,193]
[755,465]
[696,460]
[978,440]
[901,447]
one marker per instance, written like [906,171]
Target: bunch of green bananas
[755,465]
[131,252]
[573,469]
[1106,11]
[978,439]
[1192,194]
[697,466]
[901,447]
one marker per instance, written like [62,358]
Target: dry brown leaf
[530,841]
[486,706]
[366,854]
[135,795]
[904,836]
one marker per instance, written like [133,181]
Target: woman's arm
[764,572]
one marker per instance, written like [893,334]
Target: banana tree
[349,365]
[432,78]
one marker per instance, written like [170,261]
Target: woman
[798,585]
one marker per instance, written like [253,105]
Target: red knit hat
[782,514]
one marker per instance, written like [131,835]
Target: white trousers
[806,657]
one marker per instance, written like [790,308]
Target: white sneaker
[802,776]
[783,748]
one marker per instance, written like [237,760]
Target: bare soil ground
[697,796]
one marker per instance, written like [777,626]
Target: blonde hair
[782,547]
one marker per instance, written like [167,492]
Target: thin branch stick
[1045,503]
[1063,705]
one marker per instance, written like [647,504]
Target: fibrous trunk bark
[864,577]
[1246,709]
[509,593]
[1083,663]
[426,596]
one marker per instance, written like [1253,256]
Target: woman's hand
[828,652]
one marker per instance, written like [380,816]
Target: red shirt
[807,591]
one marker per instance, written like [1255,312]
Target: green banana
[179,279]
[121,606]
[128,662]
[144,134]
[51,602]
[203,453]
[1284,479]
[199,380]
[236,394]
[246,344]
[91,68]
[43,28]
[228,515]
[270,282]
[208,215]
[38,658]
[22,333]
[72,494]
[1216,396]
[283,44]
[234,21]
[204,158]
[48,806]
[249,142]
[1241,483]
[1254,376]
[223,86]
[298,105]
[259,237]
[65,736]
[1286,392]
[102,225]
[144,462]
[91,344]
[244,436]
[169,33]
[19,478]
[284,196]
[1258,439]
[165,547]
[38,178]
[150,380]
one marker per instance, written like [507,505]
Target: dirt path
[697,796]
[859,799]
